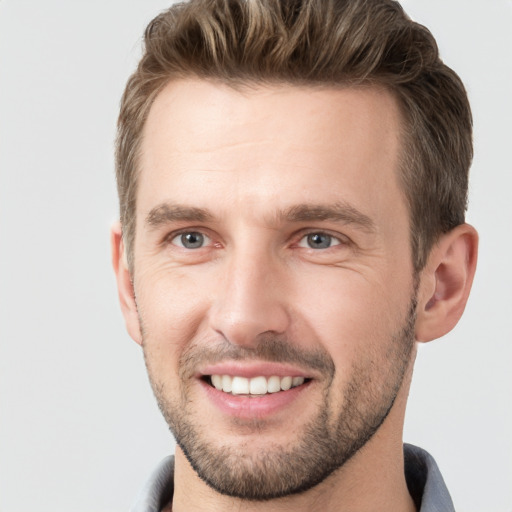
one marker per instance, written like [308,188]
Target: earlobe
[446,282]
[124,283]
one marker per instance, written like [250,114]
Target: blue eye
[318,241]
[191,240]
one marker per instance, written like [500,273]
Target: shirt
[424,481]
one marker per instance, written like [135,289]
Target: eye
[191,240]
[318,240]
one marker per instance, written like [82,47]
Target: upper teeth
[254,386]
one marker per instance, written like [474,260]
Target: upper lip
[254,369]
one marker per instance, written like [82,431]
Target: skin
[248,159]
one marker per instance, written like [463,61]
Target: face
[273,277]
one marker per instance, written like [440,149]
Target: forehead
[210,144]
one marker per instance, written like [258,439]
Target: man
[292,179]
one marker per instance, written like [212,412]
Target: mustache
[268,348]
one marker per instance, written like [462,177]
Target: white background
[79,428]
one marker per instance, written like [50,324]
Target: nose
[250,300]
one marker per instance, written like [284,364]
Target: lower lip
[254,406]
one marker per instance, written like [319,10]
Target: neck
[381,486]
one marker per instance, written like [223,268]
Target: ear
[445,282]
[124,283]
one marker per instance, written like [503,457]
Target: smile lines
[255,386]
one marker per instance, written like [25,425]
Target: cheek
[173,306]
[351,316]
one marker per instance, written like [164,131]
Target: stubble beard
[328,440]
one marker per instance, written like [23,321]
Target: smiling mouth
[255,386]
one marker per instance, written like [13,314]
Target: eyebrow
[167,212]
[337,212]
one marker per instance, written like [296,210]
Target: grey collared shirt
[424,480]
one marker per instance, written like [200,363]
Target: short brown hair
[315,42]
